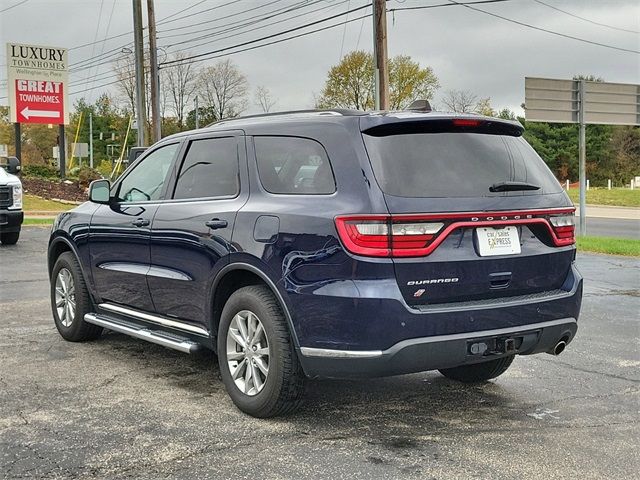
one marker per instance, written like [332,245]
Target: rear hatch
[474,212]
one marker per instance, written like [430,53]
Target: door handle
[216,223]
[141,222]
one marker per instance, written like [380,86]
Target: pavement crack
[586,370]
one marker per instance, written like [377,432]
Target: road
[122,408]
[613,227]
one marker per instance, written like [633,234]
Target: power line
[586,19]
[584,40]
[344,32]
[221,18]
[239,27]
[14,6]
[198,12]
[423,7]
[310,24]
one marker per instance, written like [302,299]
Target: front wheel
[258,362]
[479,372]
[9,238]
[70,300]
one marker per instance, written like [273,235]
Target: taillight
[564,226]
[371,236]
[417,235]
[411,239]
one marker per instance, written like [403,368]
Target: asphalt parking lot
[123,408]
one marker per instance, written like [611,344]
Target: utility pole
[62,151]
[381,67]
[582,154]
[155,74]
[197,114]
[18,136]
[91,139]
[141,113]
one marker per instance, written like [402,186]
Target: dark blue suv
[327,244]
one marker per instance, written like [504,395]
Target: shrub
[86,175]
[40,171]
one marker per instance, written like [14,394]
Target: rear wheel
[9,238]
[479,372]
[70,300]
[258,362]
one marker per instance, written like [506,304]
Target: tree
[464,101]
[179,84]
[223,87]
[263,99]
[409,82]
[350,83]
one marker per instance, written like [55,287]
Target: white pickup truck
[11,214]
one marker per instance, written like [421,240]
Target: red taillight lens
[367,236]
[410,239]
[564,229]
[370,236]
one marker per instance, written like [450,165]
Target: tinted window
[455,164]
[147,178]
[292,165]
[210,169]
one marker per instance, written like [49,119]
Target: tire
[280,390]
[9,238]
[70,323]
[479,372]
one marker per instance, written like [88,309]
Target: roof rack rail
[333,111]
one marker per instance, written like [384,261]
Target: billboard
[37,80]
[553,100]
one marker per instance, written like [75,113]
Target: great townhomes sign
[38,80]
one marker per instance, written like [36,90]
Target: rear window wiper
[512,186]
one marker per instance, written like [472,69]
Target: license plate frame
[494,241]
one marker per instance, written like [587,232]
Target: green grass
[37,221]
[609,245]
[32,203]
[621,197]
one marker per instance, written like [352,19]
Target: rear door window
[293,165]
[210,169]
[455,164]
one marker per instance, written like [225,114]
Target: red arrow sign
[39,101]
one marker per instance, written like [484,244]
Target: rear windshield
[455,164]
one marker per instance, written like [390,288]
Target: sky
[467,50]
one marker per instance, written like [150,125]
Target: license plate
[498,241]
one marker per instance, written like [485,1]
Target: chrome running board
[166,339]
[158,320]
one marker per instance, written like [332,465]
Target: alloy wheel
[248,352]
[65,297]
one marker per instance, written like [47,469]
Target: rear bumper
[431,353]
[11,220]
[372,331]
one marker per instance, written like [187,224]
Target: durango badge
[432,280]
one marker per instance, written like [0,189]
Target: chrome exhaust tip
[559,348]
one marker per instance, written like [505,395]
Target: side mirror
[100,191]
[13,165]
